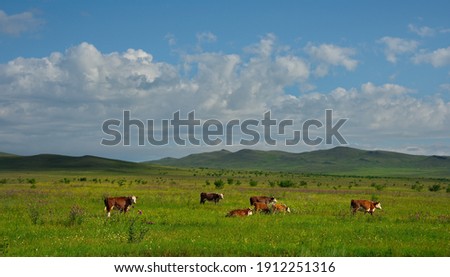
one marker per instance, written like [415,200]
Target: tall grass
[67,219]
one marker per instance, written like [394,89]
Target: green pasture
[60,213]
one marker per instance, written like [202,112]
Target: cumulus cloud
[17,24]
[206,37]
[397,46]
[422,31]
[332,55]
[380,110]
[437,58]
[58,103]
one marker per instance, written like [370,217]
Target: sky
[71,70]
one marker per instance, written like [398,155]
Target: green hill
[335,161]
[3,154]
[338,160]
[48,162]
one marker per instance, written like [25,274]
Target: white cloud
[292,69]
[423,31]
[17,24]
[58,103]
[171,39]
[265,47]
[437,58]
[206,37]
[329,54]
[397,46]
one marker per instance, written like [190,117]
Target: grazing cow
[263,199]
[240,212]
[123,203]
[210,196]
[364,205]
[261,207]
[280,208]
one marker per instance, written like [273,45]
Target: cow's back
[262,199]
[261,207]
[239,212]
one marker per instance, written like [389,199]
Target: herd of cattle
[261,204]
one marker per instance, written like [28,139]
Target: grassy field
[60,213]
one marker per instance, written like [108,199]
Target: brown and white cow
[262,199]
[122,203]
[364,205]
[277,208]
[262,207]
[240,212]
[210,196]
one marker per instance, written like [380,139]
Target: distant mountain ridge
[335,161]
[43,162]
[339,160]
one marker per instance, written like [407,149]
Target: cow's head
[133,199]
[249,211]
[287,209]
[220,195]
[273,200]
[377,205]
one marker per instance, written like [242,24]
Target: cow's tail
[105,201]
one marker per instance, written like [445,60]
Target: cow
[280,208]
[210,196]
[122,203]
[261,207]
[263,199]
[240,212]
[364,205]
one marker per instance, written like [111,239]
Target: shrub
[76,215]
[434,187]
[417,186]
[137,230]
[34,214]
[378,186]
[219,183]
[286,183]
[253,183]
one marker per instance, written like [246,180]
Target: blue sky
[67,66]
